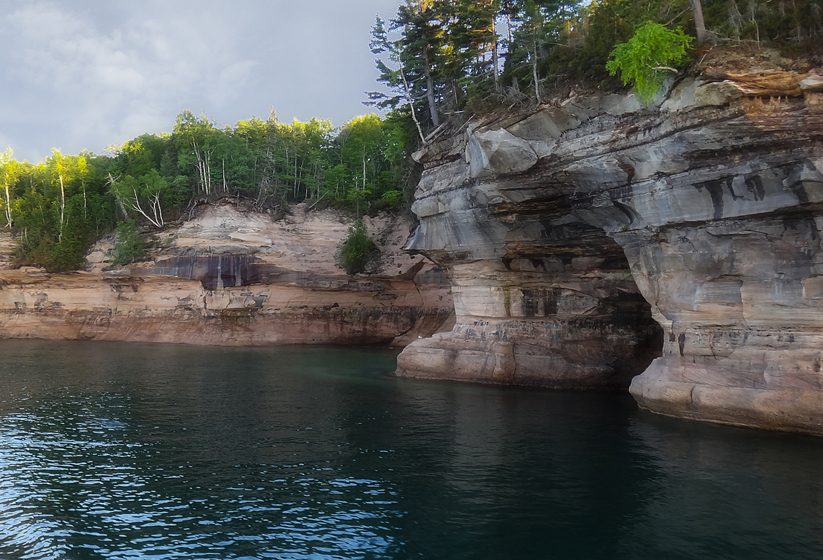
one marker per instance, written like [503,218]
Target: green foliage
[542,29]
[609,23]
[357,250]
[392,198]
[797,24]
[440,43]
[446,49]
[437,58]
[128,247]
[269,163]
[648,56]
[442,57]
[58,208]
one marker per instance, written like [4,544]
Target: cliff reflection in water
[117,451]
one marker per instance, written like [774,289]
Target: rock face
[564,229]
[236,278]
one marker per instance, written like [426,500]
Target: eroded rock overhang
[707,203]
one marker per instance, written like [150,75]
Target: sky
[87,74]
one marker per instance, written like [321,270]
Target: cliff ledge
[235,277]
[595,239]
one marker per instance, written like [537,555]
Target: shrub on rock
[358,249]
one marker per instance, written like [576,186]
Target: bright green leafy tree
[652,53]
[59,207]
[9,171]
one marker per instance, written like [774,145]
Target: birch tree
[194,137]
[143,196]
[64,169]
[9,172]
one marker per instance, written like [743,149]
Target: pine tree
[393,77]
[421,50]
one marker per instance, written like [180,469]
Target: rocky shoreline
[591,243]
[234,277]
[579,234]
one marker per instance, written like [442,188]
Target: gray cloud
[84,74]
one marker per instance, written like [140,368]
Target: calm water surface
[156,451]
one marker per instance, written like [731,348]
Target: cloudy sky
[86,74]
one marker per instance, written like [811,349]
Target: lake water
[163,451]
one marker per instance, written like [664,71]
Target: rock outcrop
[236,278]
[564,229]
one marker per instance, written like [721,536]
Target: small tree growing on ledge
[358,249]
[646,58]
[128,247]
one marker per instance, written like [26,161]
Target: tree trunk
[207,171]
[294,186]
[157,221]
[536,78]
[62,208]
[225,186]
[495,55]
[285,175]
[410,101]
[8,206]
[699,24]
[430,89]
[202,169]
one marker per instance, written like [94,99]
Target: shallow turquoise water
[161,451]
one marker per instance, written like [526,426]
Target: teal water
[161,451]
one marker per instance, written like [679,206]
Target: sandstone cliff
[236,278]
[566,229]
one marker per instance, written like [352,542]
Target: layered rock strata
[535,306]
[712,198]
[236,278]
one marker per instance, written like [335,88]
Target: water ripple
[129,451]
[60,492]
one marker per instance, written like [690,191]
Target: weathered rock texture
[713,198]
[235,278]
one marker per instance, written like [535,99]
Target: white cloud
[88,73]
[4,142]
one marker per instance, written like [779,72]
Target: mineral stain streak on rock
[237,278]
[698,216]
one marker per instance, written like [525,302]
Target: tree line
[59,207]
[438,58]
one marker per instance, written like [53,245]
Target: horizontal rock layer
[563,322]
[154,308]
[236,278]
[708,203]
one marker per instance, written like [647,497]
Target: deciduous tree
[653,52]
